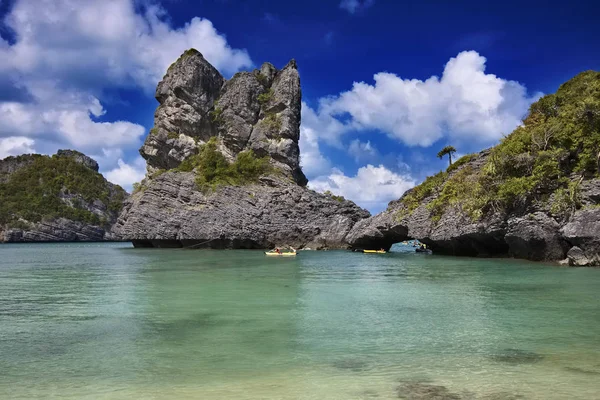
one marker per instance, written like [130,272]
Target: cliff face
[58,198]
[224,166]
[536,195]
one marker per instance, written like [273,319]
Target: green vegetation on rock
[216,115]
[173,135]
[265,97]
[55,187]
[273,123]
[557,146]
[333,196]
[213,169]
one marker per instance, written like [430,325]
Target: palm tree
[449,150]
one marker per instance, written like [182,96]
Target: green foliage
[138,187]
[462,190]
[560,137]
[216,115]
[173,135]
[157,173]
[333,196]
[154,131]
[460,162]
[213,169]
[413,197]
[36,192]
[566,200]
[265,97]
[273,123]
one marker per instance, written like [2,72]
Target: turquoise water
[106,321]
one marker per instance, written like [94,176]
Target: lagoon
[90,321]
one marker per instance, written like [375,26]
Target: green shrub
[463,190]
[414,196]
[137,187]
[216,115]
[213,169]
[460,162]
[566,200]
[334,197]
[173,135]
[265,97]
[273,123]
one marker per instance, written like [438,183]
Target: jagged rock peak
[257,111]
[80,158]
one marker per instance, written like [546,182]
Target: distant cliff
[223,166]
[536,195]
[57,198]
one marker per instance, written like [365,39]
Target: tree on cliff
[448,150]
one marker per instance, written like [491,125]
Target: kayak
[375,251]
[274,253]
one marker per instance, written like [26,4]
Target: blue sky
[385,84]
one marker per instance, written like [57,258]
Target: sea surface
[107,321]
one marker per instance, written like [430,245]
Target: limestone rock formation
[255,114]
[531,232]
[59,198]
[535,195]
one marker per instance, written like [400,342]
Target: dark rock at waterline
[517,356]
[531,232]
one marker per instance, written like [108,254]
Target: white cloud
[372,187]
[14,145]
[88,40]
[362,151]
[353,6]
[465,104]
[126,174]
[67,52]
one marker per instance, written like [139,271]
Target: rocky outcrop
[35,207]
[531,232]
[535,195]
[256,112]
[171,212]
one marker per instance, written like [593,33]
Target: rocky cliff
[58,198]
[536,195]
[223,166]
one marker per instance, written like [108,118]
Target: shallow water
[106,321]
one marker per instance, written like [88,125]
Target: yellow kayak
[274,253]
[375,251]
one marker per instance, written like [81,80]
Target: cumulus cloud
[465,104]
[107,42]
[125,174]
[66,53]
[352,6]
[372,187]
[15,145]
